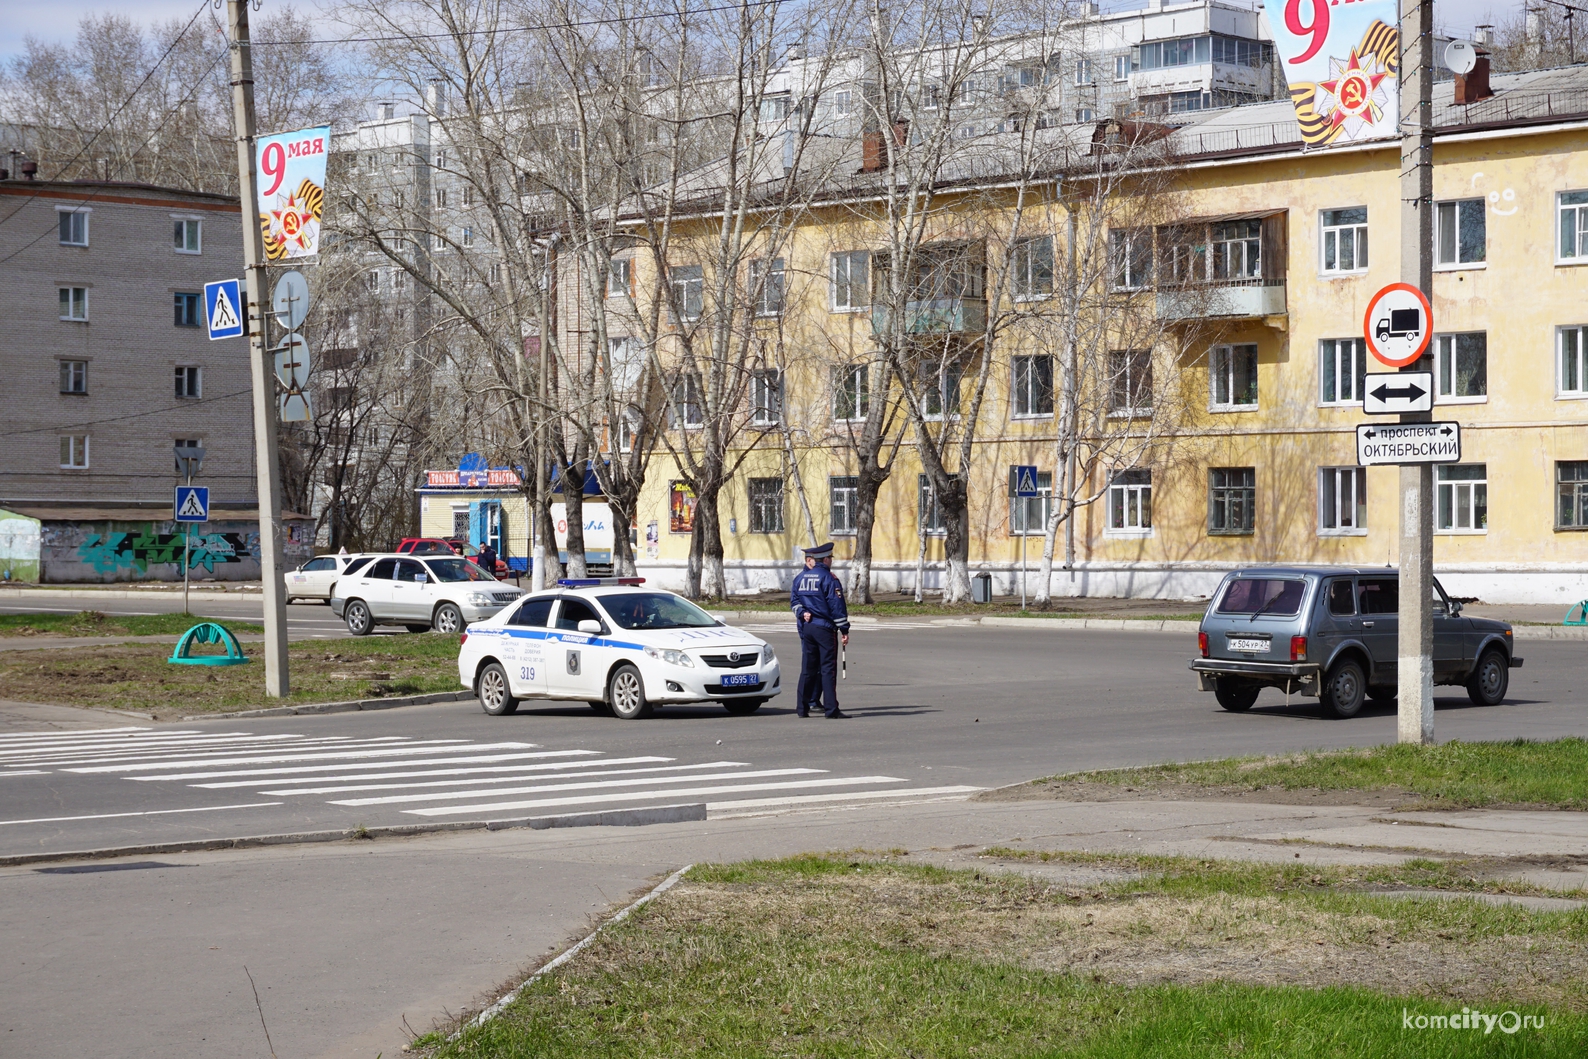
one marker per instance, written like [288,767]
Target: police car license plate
[738,680]
[1248,643]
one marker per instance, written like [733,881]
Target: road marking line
[499,779]
[394,799]
[28,772]
[540,803]
[151,812]
[152,750]
[484,770]
[265,760]
[85,732]
[365,765]
[805,799]
[202,754]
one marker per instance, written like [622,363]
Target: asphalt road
[304,620]
[936,710]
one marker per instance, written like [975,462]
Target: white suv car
[441,592]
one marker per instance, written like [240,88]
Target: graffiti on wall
[103,551]
[109,553]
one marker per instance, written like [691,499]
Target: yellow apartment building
[1265,364]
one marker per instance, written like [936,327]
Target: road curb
[200,594]
[655,814]
[349,706]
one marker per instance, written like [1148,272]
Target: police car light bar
[589,582]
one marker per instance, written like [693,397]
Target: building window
[74,303]
[1031,267]
[1573,207]
[74,376]
[1342,499]
[1571,491]
[1342,367]
[1573,343]
[1122,67]
[766,505]
[1084,115]
[1032,383]
[843,495]
[186,306]
[399,278]
[1028,515]
[766,286]
[929,513]
[1232,377]
[186,236]
[468,195]
[74,451]
[1237,250]
[183,450]
[441,198]
[939,390]
[851,393]
[1232,496]
[766,397]
[1345,240]
[1130,382]
[686,407]
[689,291]
[1131,253]
[849,288]
[1463,498]
[468,237]
[189,381]
[1459,237]
[1130,501]
[1083,72]
[74,227]
[843,102]
[1461,366]
[372,281]
[620,278]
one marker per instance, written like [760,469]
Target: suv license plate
[739,680]
[1248,643]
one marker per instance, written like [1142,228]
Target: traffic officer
[817,600]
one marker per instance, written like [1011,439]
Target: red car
[438,546]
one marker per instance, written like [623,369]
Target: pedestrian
[488,558]
[817,600]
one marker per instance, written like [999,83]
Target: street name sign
[1025,477]
[1398,443]
[1392,394]
[223,309]
[1398,324]
[192,503]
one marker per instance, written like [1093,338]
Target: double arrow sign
[1396,443]
[1402,391]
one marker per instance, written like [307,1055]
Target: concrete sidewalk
[350,941]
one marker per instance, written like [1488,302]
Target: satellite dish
[1461,56]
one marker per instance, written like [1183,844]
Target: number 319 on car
[526,672]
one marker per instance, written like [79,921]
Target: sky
[56,21]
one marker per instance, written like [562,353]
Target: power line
[121,419]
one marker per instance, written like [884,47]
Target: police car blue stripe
[592,641]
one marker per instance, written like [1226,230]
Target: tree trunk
[956,546]
[623,507]
[708,574]
[573,508]
[867,486]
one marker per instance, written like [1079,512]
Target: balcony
[935,316]
[1248,299]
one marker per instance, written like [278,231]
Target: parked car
[421,592]
[620,647]
[1333,632]
[317,578]
[447,546]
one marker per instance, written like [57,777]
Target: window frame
[1442,368]
[1579,333]
[62,214]
[74,371]
[849,282]
[1580,218]
[1224,493]
[1359,242]
[187,309]
[693,397]
[620,271]
[682,280]
[1129,489]
[1579,497]
[1330,348]
[769,287]
[1456,264]
[1230,350]
[844,497]
[1132,392]
[1330,478]
[762,382]
[1024,388]
[192,376]
[70,448]
[1455,485]
[1131,252]
[929,522]
[860,375]
[1026,281]
[941,389]
[1083,72]
[186,224]
[73,302]
[761,505]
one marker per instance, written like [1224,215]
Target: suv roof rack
[591,582]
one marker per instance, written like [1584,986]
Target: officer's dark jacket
[816,590]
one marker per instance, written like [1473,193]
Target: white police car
[617,646]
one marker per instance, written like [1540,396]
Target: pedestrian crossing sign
[1024,478]
[223,308]
[192,503]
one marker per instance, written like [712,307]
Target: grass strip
[1453,775]
[95,623]
[842,957]
[138,677]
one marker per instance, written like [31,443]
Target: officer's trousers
[818,668]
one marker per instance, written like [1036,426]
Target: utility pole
[1415,669]
[266,457]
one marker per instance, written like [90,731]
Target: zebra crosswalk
[441,778]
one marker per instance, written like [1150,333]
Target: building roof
[121,191]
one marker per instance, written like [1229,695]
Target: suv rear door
[373,585]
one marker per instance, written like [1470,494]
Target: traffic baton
[843,658]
